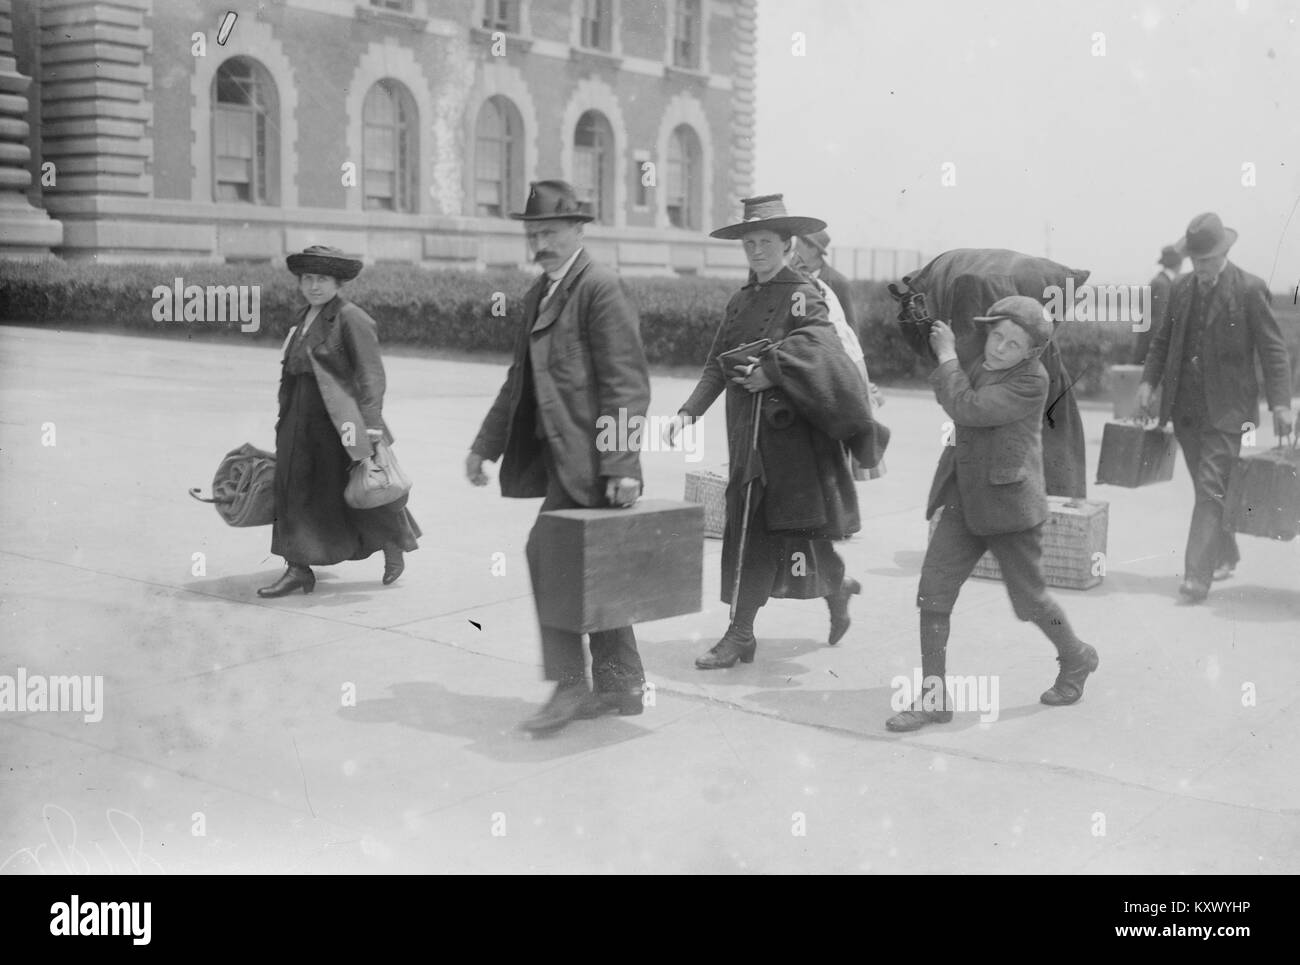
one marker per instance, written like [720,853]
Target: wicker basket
[1073,532]
[709,488]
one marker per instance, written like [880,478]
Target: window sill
[595,58]
[689,74]
[513,40]
[395,18]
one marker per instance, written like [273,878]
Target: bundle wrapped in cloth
[961,284]
[243,489]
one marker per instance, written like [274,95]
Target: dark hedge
[455,310]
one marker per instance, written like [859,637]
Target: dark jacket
[1160,287]
[343,343]
[804,472]
[587,368]
[840,286]
[962,284]
[997,458]
[1238,325]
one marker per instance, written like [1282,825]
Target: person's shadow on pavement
[490,724]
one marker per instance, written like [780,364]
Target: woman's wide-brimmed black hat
[768,213]
[548,200]
[322,260]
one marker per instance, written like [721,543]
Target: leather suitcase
[1133,456]
[1074,533]
[607,568]
[1264,494]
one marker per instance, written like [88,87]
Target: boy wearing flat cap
[989,483]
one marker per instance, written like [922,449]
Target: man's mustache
[543,254]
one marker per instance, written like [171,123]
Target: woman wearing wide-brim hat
[332,377]
[790,491]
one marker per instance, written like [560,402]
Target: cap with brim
[1023,311]
[322,260]
[767,213]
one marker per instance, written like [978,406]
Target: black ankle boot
[394,564]
[734,645]
[839,606]
[295,576]
[932,705]
[1075,668]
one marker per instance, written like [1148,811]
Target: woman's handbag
[376,480]
[243,490]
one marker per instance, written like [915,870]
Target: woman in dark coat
[812,400]
[331,399]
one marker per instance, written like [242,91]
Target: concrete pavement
[371,728]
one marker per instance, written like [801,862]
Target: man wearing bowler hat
[577,360]
[1219,320]
[1171,259]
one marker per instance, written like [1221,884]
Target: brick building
[404,130]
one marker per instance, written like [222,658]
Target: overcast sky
[1095,160]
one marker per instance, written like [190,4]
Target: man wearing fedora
[1171,260]
[577,360]
[1219,320]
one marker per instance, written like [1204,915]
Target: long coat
[1238,325]
[801,469]
[331,391]
[588,372]
[962,284]
[997,455]
[1160,287]
[343,344]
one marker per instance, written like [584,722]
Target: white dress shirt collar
[557,276]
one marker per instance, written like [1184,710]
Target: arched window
[498,159]
[389,148]
[685,178]
[245,134]
[593,166]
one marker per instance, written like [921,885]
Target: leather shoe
[1193,591]
[733,646]
[566,704]
[1069,682]
[394,564]
[909,720]
[625,703]
[294,577]
[1224,571]
[839,604]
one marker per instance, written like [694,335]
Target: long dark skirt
[788,566]
[313,525]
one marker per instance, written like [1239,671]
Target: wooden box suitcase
[1073,535]
[709,489]
[607,568]
[1123,382]
[1134,456]
[1264,494]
